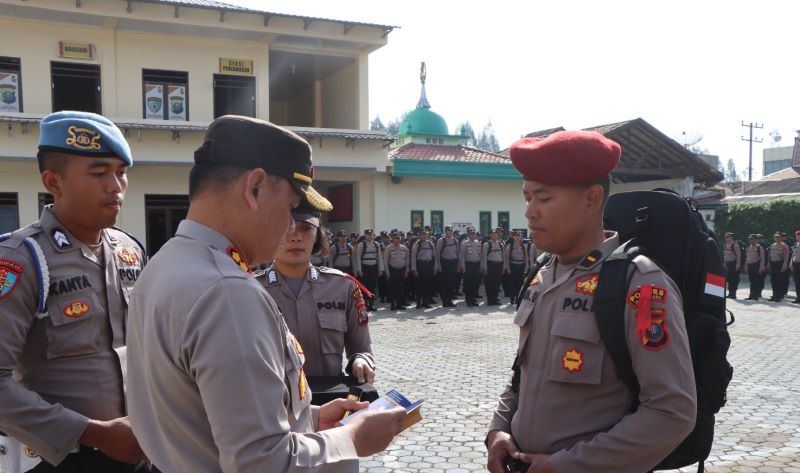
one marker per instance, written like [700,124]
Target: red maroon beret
[565,158]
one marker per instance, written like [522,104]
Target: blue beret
[84,134]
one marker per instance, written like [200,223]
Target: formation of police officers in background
[758,259]
[416,266]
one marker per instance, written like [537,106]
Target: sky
[688,67]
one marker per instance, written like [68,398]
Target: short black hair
[206,176]
[52,161]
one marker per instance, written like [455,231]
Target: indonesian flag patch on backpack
[715,285]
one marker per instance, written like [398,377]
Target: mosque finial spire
[423,99]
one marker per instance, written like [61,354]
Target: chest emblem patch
[76,309]
[572,360]
[127,256]
[587,285]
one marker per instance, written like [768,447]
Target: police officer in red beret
[568,411]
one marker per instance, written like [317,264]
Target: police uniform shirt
[492,251]
[446,249]
[368,254]
[515,254]
[571,403]
[328,316]
[796,255]
[423,251]
[754,253]
[733,253]
[469,252]
[397,257]
[215,377]
[70,357]
[779,252]
[343,255]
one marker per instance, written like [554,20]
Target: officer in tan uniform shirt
[796,267]
[569,411]
[65,282]
[733,264]
[216,380]
[447,265]
[323,307]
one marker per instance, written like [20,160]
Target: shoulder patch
[657,336]
[10,273]
[361,307]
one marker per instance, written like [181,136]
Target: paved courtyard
[459,360]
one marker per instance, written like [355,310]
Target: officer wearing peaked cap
[65,284]
[567,410]
[216,377]
[342,254]
[323,307]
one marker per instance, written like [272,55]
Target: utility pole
[752,140]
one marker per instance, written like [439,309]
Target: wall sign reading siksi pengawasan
[240,67]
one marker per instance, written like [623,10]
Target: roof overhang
[648,154]
[453,170]
[128,124]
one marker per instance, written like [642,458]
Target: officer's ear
[255,182]
[595,198]
[53,167]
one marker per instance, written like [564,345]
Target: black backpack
[667,228]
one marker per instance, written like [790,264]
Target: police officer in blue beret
[65,283]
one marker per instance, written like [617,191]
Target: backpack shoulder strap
[532,272]
[609,310]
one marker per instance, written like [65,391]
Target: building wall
[777,159]
[460,199]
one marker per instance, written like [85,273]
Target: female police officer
[323,307]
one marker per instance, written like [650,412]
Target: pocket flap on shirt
[333,321]
[576,326]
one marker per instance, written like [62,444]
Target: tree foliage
[487,140]
[465,129]
[764,217]
[730,173]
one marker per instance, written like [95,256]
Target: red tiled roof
[452,153]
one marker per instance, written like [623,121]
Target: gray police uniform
[755,266]
[369,262]
[733,263]
[516,263]
[796,270]
[328,316]
[62,333]
[570,402]
[343,257]
[779,267]
[396,260]
[447,263]
[216,378]
[492,264]
[423,261]
[469,260]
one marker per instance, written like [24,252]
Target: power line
[752,140]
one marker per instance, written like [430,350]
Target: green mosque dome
[422,121]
